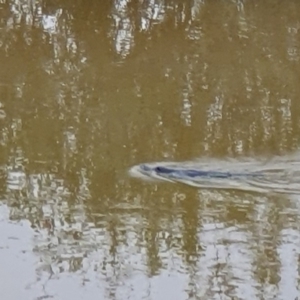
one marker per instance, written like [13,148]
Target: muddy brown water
[90,89]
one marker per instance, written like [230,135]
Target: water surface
[90,89]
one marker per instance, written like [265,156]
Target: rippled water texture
[90,90]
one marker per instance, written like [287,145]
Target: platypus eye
[163,170]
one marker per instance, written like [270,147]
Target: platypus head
[152,171]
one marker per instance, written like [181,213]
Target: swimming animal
[180,172]
[280,175]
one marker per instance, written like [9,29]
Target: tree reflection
[89,89]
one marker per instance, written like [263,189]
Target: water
[89,89]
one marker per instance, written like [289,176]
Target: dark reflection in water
[88,90]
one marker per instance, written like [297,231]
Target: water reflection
[88,90]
